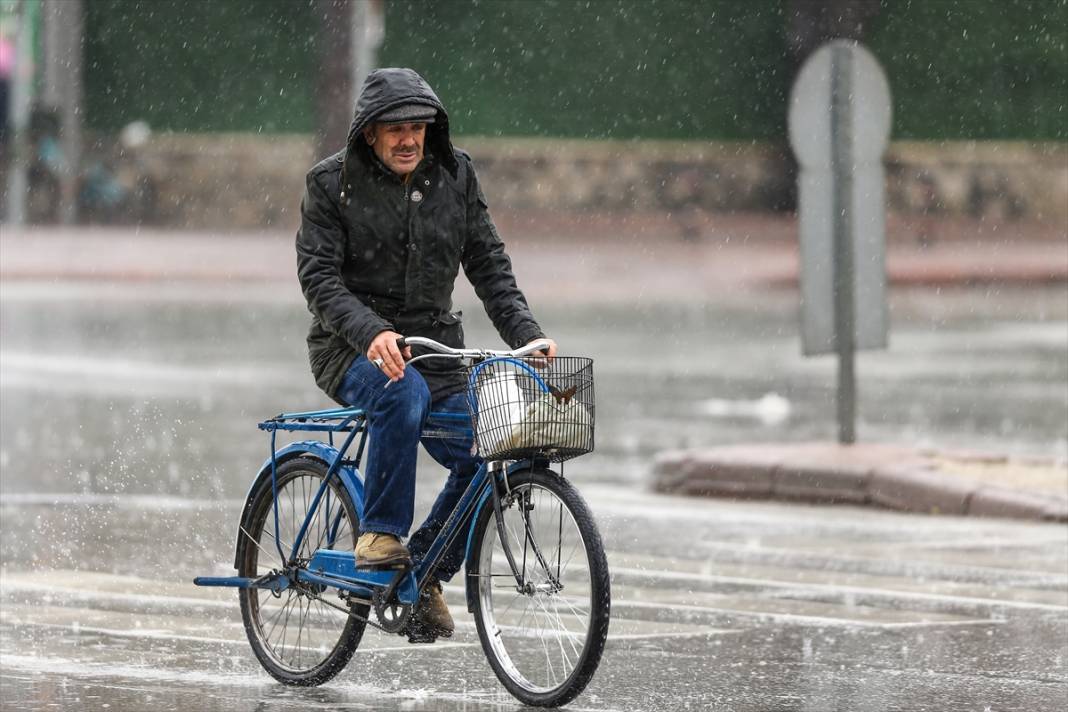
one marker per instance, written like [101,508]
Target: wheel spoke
[278,615]
[285,546]
[577,612]
[285,626]
[561,627]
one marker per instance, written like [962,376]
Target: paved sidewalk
[890,476]
[631,266]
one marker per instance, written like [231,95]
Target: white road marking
[991,542]
[844,621]
[98,599]
[706,633]
[803,586]
[363,650]
[800,618]
[243,643]
[88,596]
[950,569]
[133,633]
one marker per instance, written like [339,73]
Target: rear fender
[317,449]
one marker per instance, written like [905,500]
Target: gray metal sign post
[842,170]
[839,127]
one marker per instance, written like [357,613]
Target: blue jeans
[396,417]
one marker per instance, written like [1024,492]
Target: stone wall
[630,176]
[241,181]
[249,181]
[997,180]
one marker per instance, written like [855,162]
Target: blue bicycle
[536,575]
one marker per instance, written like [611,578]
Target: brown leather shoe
[380,551]
[432,619]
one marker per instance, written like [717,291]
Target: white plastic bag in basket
[500,409]
[548,423]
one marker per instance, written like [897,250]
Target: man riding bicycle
[386,224]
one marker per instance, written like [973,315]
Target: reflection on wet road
[129,439]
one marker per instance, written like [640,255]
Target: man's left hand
[549,351]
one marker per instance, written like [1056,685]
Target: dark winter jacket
[386,255]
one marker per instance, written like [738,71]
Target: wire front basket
[524,408]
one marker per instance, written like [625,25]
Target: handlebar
[440,349]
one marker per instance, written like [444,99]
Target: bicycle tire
[256,558]
[500,630]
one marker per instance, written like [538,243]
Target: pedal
[420,635]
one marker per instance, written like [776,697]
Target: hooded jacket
[375,253]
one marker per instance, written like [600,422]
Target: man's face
[399,146]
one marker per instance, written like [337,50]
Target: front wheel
[544,632]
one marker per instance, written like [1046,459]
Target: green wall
[979,69]
[600,69]
[590,68]
[200,65]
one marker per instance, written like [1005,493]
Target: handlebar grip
[532,348]
[401,343]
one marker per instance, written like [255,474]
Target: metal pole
[63,25]
[19,120]
[368,30]
[73,19]
[333,96]
[842,172]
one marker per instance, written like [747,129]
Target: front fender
[518,466]
[350,478]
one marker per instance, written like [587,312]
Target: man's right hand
[384,347]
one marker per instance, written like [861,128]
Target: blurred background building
[207,114]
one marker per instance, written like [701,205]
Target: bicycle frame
[337,569]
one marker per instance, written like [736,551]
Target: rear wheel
[543,634]
[297,635]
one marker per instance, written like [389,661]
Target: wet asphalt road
[760,606]
[128,440]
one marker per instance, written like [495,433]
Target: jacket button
[416,196]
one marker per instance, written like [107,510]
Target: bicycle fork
[498,482]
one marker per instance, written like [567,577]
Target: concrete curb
[880,475]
